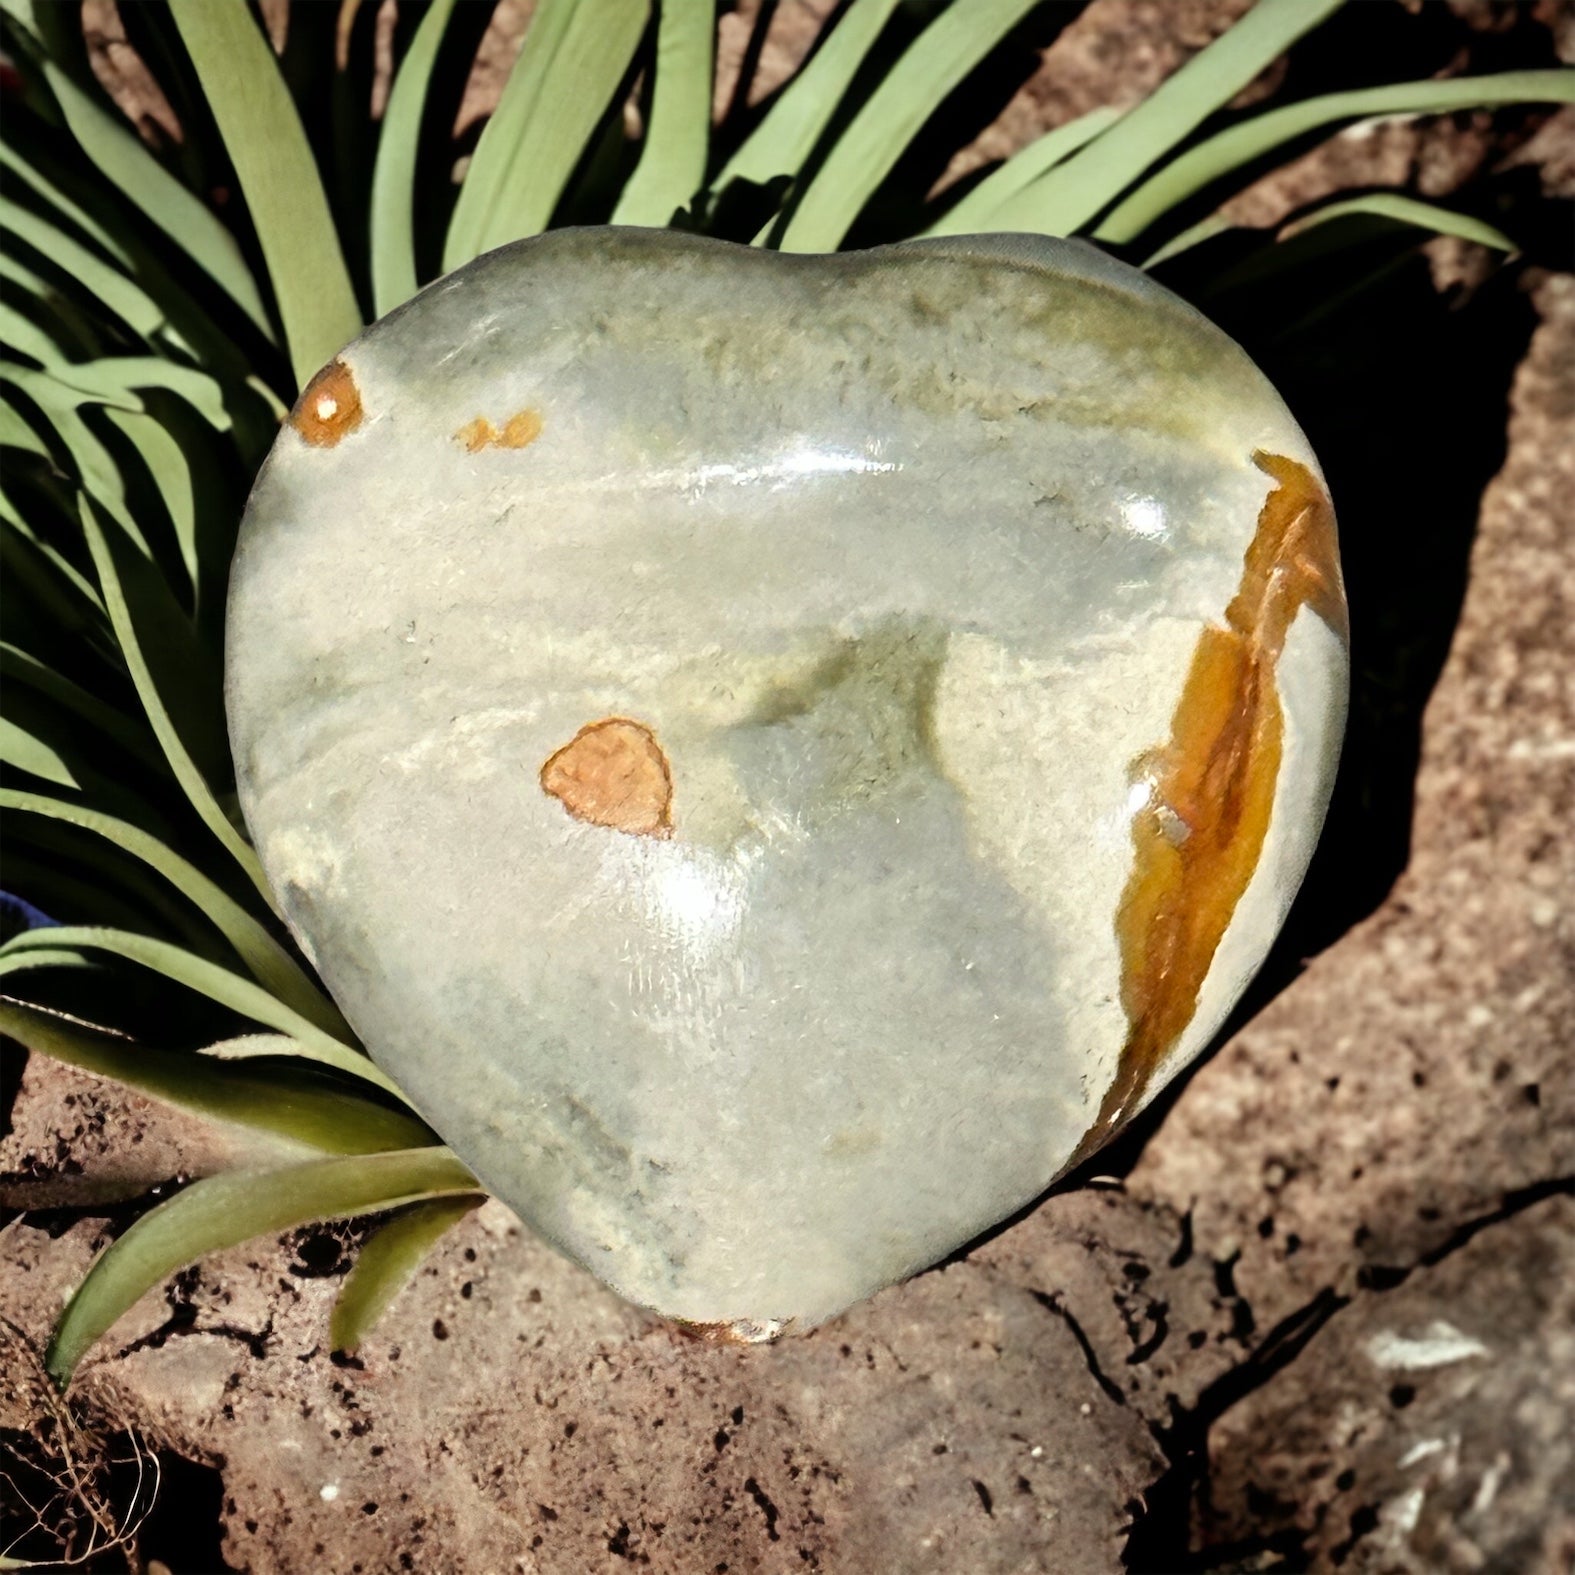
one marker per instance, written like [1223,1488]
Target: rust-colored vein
[613,773]
[329,407]
[1198,839]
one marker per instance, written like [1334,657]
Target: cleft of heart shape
[780,756]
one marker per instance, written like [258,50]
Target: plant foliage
[162,306]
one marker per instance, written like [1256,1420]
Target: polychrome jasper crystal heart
[780,755]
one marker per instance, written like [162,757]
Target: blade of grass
[25,752]
[181,763]
[673,160]
[1024,166]
[223,1211]
[1401,209]
[94,464]
[29,172]
[290,1101]
[278,176]
[99,284]
[386,1262]
[17,666]
[1069,196]
[114,379]
[218,984]
[394,174]
[799,115]
[937,60]
[265,958]
[127,166]
[22,336]
[1250,140]
[1194,235]
[171,473]
[43,957]
[575,54]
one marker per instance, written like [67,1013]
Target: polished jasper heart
[779,756]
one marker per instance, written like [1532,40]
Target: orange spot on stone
[1199,837]
[613,773]
[329,407]
[519,431]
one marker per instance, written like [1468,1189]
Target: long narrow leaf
[100,284]
[43,957]
[27,170]
[122,160]
[1401,209]
[973,211]
[1252,139]
[386,1263]
[942,55]
[170,469]
[18,666]
[672,162]
[267,960]
[113,378]
[273,162]
[575,54]
[394,175]
[223,1211]
[1069,196]
[22,749]
[190,778]
[798,117]
[291,1102]
[218,984]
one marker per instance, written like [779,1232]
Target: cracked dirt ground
[1318,1310]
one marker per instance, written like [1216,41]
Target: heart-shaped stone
[781,755]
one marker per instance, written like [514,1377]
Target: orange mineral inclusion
[519,431]
[329,407]
[1199,837]
[613,773]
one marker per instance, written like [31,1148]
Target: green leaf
[1069,196]
[273,162]
[942,55]
[223,1211]
[127,166]
[386,1263]
[672,162]
[291,1101]
[43,957]
[799,115]
[218,984]
[265,958]
[114,379]
[1206,229]
[29,172]
[97,282]
[181,763]
[171,472]
[972,212]
[1252,139]
[394,174]
[21,749]
[575,54]
[22,336]
[1401,209]
[18,666]
[94,464]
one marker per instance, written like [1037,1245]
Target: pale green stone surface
[902,557]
